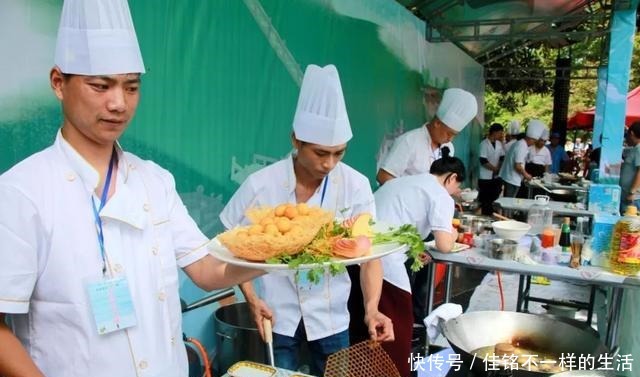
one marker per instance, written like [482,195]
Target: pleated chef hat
[457,109]
[535,128]
[545,134]
[321,115]
[96,37]
[514,127]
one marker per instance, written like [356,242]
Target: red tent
[584,119]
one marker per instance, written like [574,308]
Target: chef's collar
[89,176]
[290,184]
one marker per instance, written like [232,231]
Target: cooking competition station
[583,241]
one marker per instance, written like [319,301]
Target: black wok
[563,195]
[474,330]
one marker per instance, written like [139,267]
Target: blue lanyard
[96,211]
[324,189]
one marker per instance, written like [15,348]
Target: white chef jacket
[411,153]
[492,154]
[49,251]
[419,200]
[508,145]
[516,154]
[324,306]
[540,156]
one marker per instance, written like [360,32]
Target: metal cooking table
[475,258]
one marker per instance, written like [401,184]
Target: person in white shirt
[91,236]
[414,151]
[425,201]
[539,157]
[304,312]
[512,171]
[513,133]
[491,156]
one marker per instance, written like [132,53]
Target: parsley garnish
[407,235]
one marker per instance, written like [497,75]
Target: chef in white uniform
[305,312]
[539,157]
[513,130]
[512,171]
[91,236]
[491,156]
[414,151]
[423,200]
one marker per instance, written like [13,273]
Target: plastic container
[547,237]
[624,257]
[540,215]
[503,249]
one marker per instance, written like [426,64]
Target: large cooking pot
[471,331]
[237,337]
[563,195]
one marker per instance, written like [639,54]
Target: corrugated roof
[488,30]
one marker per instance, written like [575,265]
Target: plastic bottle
[540,215]
[624,258]
[565,235]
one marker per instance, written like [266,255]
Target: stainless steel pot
[237,337]
[474,330]
[477,224]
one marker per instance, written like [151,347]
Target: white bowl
[510,229]
[469,195]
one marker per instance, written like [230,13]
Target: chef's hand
[260,310]
[380,327]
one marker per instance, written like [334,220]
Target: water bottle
[540,215]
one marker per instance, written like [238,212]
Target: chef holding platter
[304,311]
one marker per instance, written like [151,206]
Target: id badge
[111,305]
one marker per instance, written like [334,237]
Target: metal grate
[365,359]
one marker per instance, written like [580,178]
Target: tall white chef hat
[321,116]
[514,127]
[535,127]
[545,134]
[96,37]
[457,109]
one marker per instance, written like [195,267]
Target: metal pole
[431,278]
[614,316]
[448,280]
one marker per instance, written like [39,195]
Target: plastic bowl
[510,229]
[469,195]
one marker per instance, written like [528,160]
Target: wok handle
[268,331]
[499,216]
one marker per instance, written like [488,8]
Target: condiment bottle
[565,235]
[625,244]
